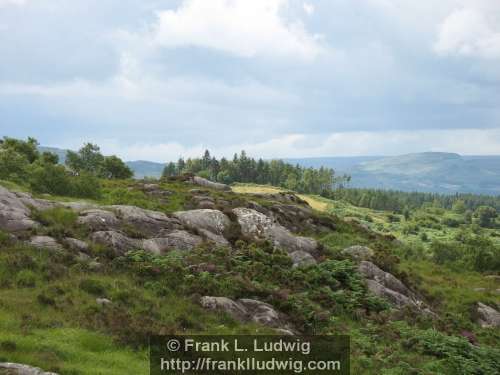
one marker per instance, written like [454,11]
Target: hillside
[436,172]
[98,275]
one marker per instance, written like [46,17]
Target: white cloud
[12,2]
[308,8]
[240,27]
[463,141]
[472,31]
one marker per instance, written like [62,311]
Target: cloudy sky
[156,79]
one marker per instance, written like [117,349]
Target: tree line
[22,163]
[245,169]
[399,201]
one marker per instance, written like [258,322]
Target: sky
[155,80]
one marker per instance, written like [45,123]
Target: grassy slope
[65,331]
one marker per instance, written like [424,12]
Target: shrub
[92,286]
[26,279]
[85,186]
[50,179]
[445,252]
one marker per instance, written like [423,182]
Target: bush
[85,186]
[92,286]
[26,279]
[49,179]
[446,252]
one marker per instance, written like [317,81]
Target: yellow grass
[314,202]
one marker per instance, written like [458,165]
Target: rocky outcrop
[302,259]
[76,245]
[19,369]
[487,316]
[387,286]
[14,214]
[99,220]
[257,226]
[209,184]
[248,310]
[45,242]
[149,223]
[211,220]
[39,204]
[175,240]
[358,253]
[116,241]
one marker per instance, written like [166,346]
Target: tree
[486,216]
[27,148]
[459,206]
[49,158]
[169,170]
[114,168]
[88,159]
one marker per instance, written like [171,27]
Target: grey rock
[175,240]
[215,238]
[99,220]
[248,310]
[387,286]
[14,215]
[20,369]
[103,301]
[210,220]
[148,222]
[79,206]
[257,226]
[261,312]
[487,316]
[116,241]
[45,242]
[39,204]
[84,258]
[302,259]
[372,272]
[209,184]
[358,253]
[226,305]
[76,245]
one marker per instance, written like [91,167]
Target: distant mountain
[438,172]
[143,168]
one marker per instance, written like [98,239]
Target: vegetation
[50,317]
[398,201]
[245,169]
[23,164]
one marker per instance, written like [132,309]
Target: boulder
[79,206]
[103,301]
[261,312]
[14,215]
[218,240]
[358,253]
[19,369]
[487,316]
[258,226]
[226,305]
[302,259]
[175,240]
[116,241]
[148,222]
[209,184]
[248,310]
[45,242]
[76,245]
[387,286]
[211,220]
[99,220]
[39,204]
